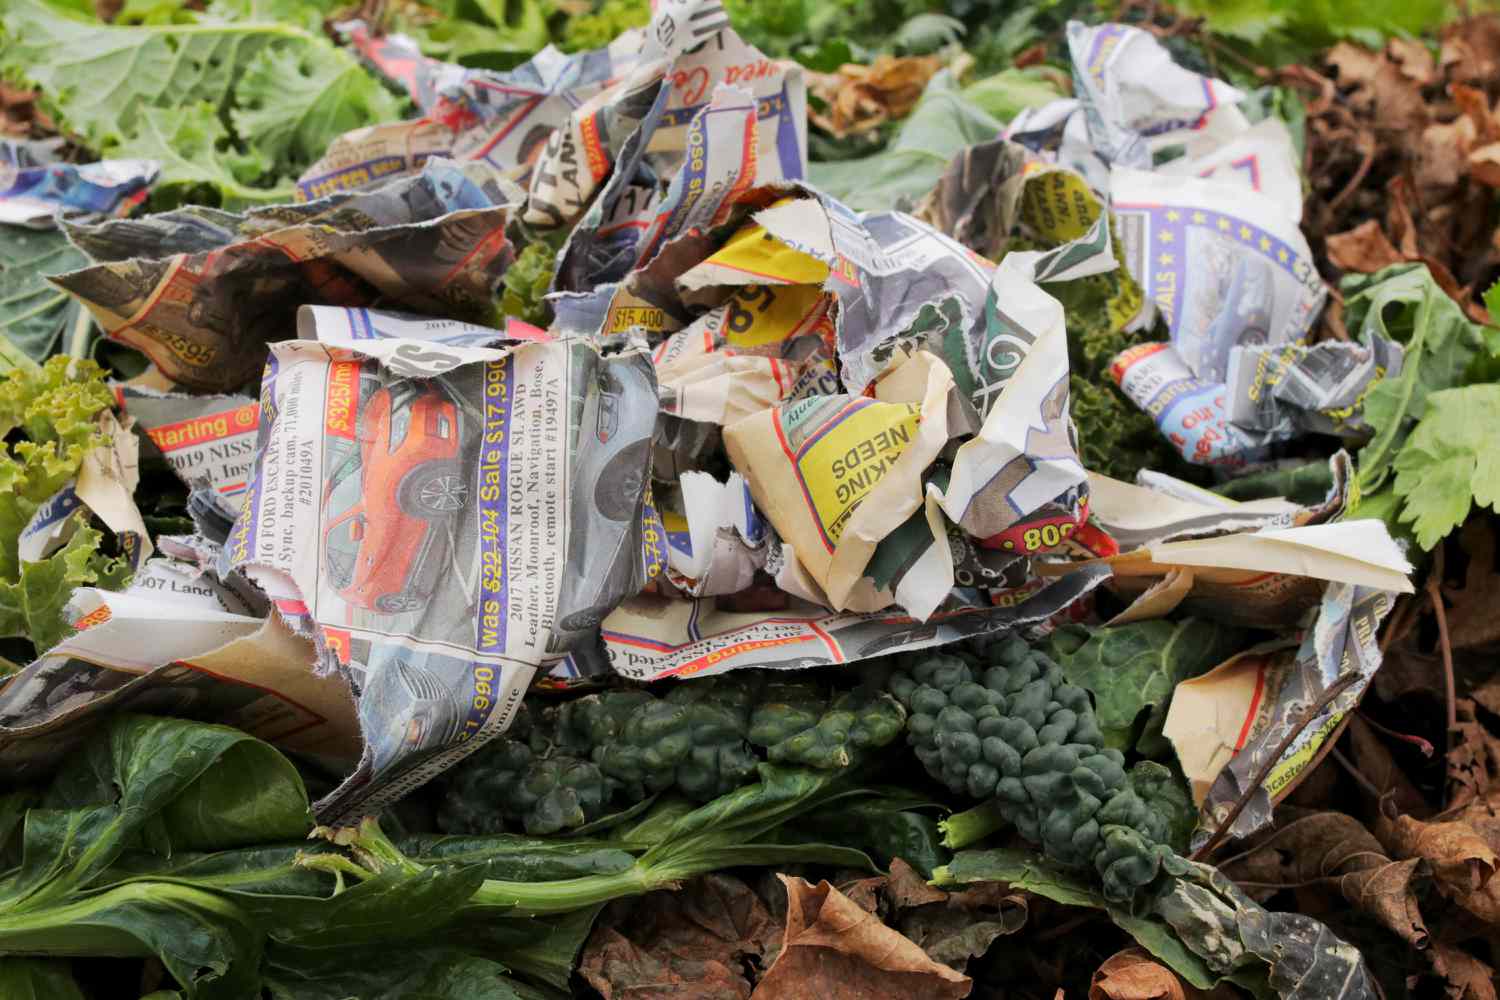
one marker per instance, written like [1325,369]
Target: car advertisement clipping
[444,509]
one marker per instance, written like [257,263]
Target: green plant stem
[71,929]
[535,899]
[964,829]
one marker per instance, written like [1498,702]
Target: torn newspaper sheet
[443,519]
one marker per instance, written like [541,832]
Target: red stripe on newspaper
[1260,689]
[201,430]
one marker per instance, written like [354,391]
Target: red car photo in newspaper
[386,550]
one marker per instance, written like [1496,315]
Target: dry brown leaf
[964,924]
[833,950]
[1441,157]
[1474,761]
[1133,974]
[862,98]
[1476,108]
[1464,976]
[1462,863]
[1334,849]
[1484,164]
[704,935]
[906,888]
[1364,249]
[1470,50]
[1414,59]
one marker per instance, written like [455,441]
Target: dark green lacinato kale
[999,721]
[693,739]
[521,779]
[560,768]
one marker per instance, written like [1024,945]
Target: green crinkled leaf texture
[284,88]
[1450,462]
[1028,872]
[194,150]
[33,313]
[32,605]
[293,99]
[1134,668]
[55,408]
[1404,304]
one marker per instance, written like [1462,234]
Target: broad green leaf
[144,781]
[124,784]
[1492,302]
[193,148]
[37,979]
[34,313]
[1030,873]
[943,122]
[1403,303]
[132,90]
[544,948]
[490,33]
[521,859]
[208,944]
[1131,669]
[432,973]
[1005,94]
[388,907]
[885,827]
[1450,461]
[292,100]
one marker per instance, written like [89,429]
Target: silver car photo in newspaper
[612,466]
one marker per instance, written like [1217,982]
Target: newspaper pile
[1207,205]
[762,430]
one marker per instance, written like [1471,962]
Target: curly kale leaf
[266,69]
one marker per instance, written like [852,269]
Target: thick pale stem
[964,829]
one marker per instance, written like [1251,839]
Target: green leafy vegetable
[561,770]
[1450,462]
[33,313]
[486,33]
[1026,871]
[1403,303]
[37,979]
[1002,723]
[160,782]
[1131,669]
[603,25]
[1284,30]
[54,409]
[752,825]
[527,282]
[943,122]
[284,89]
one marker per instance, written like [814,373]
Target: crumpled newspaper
[201,292]
[562,124]
[37,189]
[762,430]
[1207,207]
